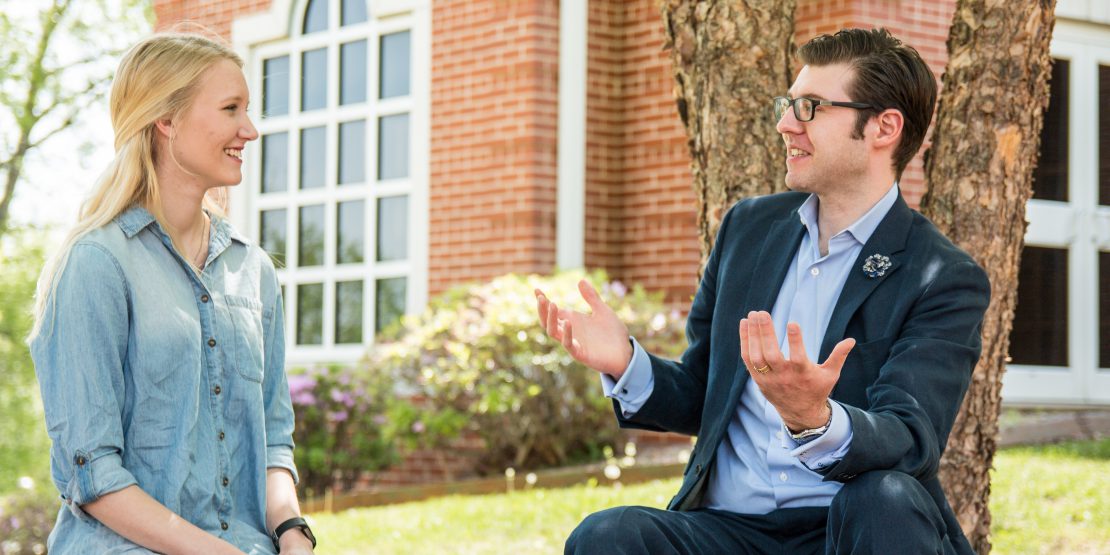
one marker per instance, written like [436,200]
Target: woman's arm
[282,505]
[133,514]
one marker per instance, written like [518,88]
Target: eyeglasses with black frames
[805,108]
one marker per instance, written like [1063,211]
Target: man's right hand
[598,340]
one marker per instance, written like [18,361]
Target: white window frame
[275,33]
[1081,226]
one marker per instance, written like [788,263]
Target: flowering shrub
[348,421]
[479,351]
[26,518]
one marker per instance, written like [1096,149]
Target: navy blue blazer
[917,332]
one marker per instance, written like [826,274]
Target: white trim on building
[570,224]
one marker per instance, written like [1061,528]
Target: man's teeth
[234,152]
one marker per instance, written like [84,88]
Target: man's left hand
[796,386]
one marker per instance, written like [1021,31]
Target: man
[795,456]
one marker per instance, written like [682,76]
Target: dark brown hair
[888,74]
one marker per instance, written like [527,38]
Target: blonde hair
[158,77]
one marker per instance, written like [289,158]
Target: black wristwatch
[295,522]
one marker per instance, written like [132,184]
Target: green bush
[24,446]
[478,352]
[348,420]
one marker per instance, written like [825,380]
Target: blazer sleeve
[676,402]
[913,402]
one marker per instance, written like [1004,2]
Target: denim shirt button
[204,298]
[216,390]
[80,460]
[221,436]
[223,526]
[211,342]
[226,481]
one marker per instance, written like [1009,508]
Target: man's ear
[889,130]
[164,127]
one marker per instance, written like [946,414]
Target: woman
[158,337]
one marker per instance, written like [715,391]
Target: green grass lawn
[1053,499]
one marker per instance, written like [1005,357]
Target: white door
[1060,345]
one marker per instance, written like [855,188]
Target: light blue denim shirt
[760,468]
[154,376]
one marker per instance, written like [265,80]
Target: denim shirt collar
[136,218]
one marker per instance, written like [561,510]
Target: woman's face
[209,137]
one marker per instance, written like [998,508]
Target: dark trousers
[877,512]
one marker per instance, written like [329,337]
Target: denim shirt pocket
[246,318]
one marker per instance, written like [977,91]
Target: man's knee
[616,530]
[881,491]
[880,509]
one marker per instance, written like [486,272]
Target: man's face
[821,155]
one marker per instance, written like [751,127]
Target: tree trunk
[730,58]
[979,171]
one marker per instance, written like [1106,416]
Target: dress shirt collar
[861,229]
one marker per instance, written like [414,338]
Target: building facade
[411,145]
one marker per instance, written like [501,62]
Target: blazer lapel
[889,239]
[771,265]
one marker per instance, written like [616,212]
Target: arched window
[332,195]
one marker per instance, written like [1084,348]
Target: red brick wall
[640,216]
[216,15]
[494,89]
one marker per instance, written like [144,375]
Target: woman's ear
[164,127]
[889,130]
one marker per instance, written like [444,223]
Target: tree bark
[980,172]
[730,58]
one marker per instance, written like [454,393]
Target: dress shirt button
[211,342]
[814,271]
[217,390]
[226,481]
[204,298]
[783,476]
[221,436]
[223,526]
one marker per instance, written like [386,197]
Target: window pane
[272,233]
[275,87]
[354,11]
[314,79]
[350,232]
[393,220]
[390,302]
[394,65]
[1050,178]
[311,235]
[313,150]
[275,158]
[1104,310]
[348,312]
[393,146]
[1040,333]
[310,314]
[352,72]
[352,152]
[1104,135]
[316,16]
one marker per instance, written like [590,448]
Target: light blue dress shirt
[154,376]
[759,467]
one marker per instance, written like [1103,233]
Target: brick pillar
[494,122]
